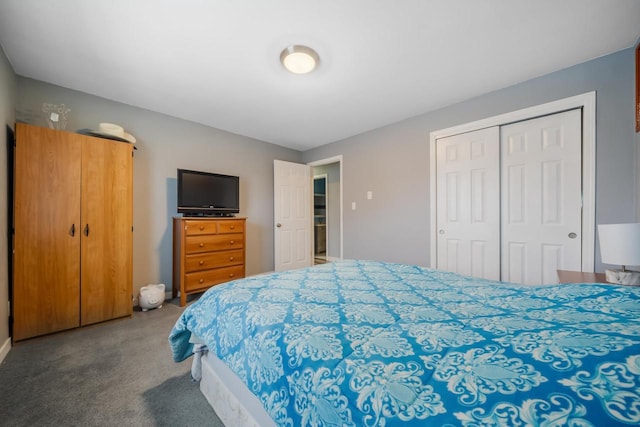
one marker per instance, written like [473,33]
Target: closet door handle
[72,232]
[86,230]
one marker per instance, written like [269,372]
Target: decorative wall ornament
[56,115]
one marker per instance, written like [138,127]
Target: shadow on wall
[165,247]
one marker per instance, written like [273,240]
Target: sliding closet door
[541,198]
[468,199]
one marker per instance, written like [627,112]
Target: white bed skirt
[232,401]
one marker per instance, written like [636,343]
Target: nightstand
[567,276]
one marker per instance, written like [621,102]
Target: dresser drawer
[213,242]
[194,227]
[207,278]
[206,261]
[231,226]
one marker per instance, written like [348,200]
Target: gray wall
[7,118]
[394,226]
[637,168]
[164,144]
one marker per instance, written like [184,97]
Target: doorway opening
[327,209]
[320,226]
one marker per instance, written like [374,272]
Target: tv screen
[206,193]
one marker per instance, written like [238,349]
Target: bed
[363,343]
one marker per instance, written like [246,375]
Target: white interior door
[468,200]
[541,198]
[292,215]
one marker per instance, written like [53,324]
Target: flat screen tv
[207,194]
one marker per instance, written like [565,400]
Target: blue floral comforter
[360,343]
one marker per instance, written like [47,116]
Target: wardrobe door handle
[86,230]
[72,232]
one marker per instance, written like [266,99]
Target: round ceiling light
[299,59]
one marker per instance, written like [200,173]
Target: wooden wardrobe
[73,230]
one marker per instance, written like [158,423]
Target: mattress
[234,404]
[362,343]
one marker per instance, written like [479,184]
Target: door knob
[278,225]
[572,235]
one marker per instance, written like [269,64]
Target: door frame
[327,161]
[586,102]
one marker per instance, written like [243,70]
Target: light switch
[369,195]
[353,206]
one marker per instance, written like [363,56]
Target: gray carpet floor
[117,373]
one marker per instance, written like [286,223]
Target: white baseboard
[4,350]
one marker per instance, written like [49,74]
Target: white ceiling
[216,62]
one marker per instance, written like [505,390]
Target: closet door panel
[107,221]
[542,197]
[468,197]
[46,270]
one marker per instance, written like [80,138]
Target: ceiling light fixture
[299,59]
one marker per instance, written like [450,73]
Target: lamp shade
[620,243]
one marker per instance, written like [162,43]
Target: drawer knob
[231,242]
[201,280]
[231,274]
[202,245]
[233,227]
[201,227]
[201,262]
[231,258]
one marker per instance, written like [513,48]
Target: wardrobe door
[46,268]
[107,221]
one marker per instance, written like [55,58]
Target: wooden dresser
[206,252]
